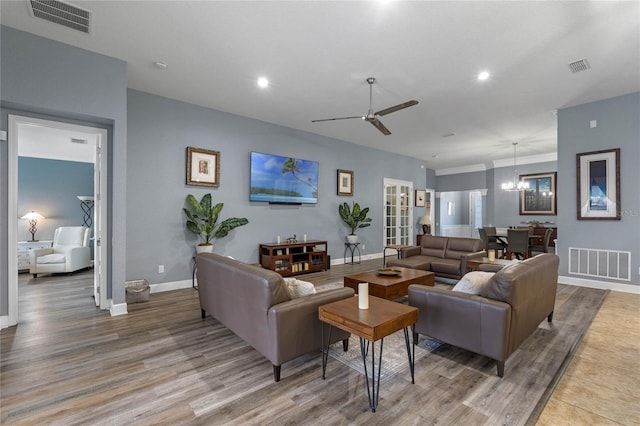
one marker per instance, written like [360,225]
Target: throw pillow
[474,282]
[299,288]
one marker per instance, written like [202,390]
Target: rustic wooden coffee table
[390,287]
[381,319]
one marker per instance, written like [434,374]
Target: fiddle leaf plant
[355,217]
[202,219]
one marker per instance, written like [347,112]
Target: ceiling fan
[372,117]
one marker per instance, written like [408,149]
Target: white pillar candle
[492,255]
[278,239]
[363,295]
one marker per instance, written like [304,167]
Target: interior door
[398,212]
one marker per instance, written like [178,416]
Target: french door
[398,212]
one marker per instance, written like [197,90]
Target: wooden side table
[381,319]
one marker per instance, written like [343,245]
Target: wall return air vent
[62,14]
[578,66]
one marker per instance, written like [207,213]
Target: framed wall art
[598,176]
[203,167]
[540,197]
[345,182]
[420,197]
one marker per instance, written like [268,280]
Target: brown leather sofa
[494,324]
[444,256]
[255,304]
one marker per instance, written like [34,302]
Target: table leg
[373,389]
[325,349]
[412,358]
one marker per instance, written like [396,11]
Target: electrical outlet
[363,247]
[161,269]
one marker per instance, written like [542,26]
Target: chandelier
[515,185]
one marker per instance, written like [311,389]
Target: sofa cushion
[473,282]
[51,258]
[446,266]
[433,246]
[501,286]
[458,247]
[298,288]
[414,262]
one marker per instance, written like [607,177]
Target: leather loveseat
[444,256]
[255,304]
[511,305]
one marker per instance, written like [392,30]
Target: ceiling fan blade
[378,124]
[338,118]
[397,107]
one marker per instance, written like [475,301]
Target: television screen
[277,179]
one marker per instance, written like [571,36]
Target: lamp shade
[425,220]
[32,215]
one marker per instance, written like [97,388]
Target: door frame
[473,195]
[15,122]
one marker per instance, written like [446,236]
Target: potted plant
[355,218]
[202,220]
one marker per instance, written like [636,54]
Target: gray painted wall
[462,181]
[506,205]
[618,126]
[51,187]
[160,129]
[47,79]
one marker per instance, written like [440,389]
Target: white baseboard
[4,321]
[118,309]
[173,285]
[603,285]
[340,261]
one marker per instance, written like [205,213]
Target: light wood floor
[70,363]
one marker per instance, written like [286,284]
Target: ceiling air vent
[581,65]
[61,13]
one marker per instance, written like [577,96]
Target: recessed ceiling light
[483,75]
[263,82]
[160,65]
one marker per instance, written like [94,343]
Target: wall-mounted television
[283,180]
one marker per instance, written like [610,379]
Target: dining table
[502,238]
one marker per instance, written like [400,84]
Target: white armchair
[70,252]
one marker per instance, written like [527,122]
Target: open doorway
[61,142]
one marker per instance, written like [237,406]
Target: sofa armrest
[36,253]
[471,322]
[466,257]
[77,258]
[294,327]
[408,252]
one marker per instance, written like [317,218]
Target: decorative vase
[208,248]
[352,238]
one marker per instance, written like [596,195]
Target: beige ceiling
[317,55]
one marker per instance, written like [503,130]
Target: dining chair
[546,241]
[518,243]
[490,243]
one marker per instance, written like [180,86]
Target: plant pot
[208,248]
[352,238]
